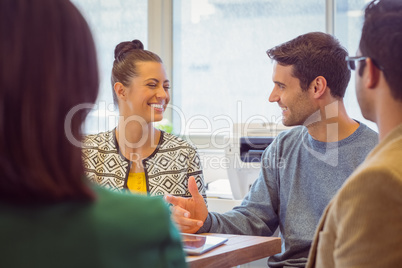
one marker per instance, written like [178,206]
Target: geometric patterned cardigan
[167,169]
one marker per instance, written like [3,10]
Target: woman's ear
[373,74]
[319,85]
[120,91]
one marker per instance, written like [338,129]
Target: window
[220,72]
[111,22]
[349,22]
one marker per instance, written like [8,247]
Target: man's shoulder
[363,135]
[293,130]
[291,135]
[367,131]
[381,166]
[387,154]
[374,178]
[286,139]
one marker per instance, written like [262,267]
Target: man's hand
[189,213]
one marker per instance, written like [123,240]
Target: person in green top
[51,216]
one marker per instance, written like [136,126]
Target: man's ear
[120,91]
[319,85]
[373,74]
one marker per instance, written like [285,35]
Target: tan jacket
[362,225]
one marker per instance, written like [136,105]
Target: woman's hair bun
[137,44]
[125,47]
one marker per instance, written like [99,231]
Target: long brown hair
[48,66]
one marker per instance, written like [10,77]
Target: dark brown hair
[48,66]
[126,55]
[381,40]
[315,54]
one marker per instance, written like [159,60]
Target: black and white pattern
[166,170]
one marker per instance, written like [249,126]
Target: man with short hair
[303,167]
[362,225]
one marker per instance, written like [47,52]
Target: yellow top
[136,183]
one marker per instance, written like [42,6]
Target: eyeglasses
[352,65]
[351,61]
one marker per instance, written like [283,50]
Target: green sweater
[117,230]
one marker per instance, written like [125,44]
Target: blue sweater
[298,178]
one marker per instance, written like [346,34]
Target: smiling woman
[135,155]
[147,95]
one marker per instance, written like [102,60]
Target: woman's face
[148,94]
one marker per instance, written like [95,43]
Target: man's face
[362,92]
[297,105]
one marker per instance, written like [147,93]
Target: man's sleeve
[368,220]
[258,213]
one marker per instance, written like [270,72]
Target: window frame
[160,33]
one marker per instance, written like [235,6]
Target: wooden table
[239,249]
